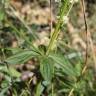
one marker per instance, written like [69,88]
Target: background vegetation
[47,48]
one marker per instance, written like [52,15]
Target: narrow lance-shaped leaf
[46,69]
[39,89]
[64,64]
[2,93]
[2,10]
[21,57]
[4,69]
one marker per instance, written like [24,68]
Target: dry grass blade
[86,30]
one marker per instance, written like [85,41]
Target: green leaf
[80,86]
[14,50]
[46,69]
[64,90]
[39,89]
[2,93]
[63,64]
[78,68]
[2,14]
[10,71]
[21,57]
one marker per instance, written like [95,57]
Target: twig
[86,30]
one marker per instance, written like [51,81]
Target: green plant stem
[51,16]
[71,92]
[52,89]
[57,30]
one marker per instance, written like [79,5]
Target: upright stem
[51,16]
[57,29]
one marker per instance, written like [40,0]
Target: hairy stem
[57,29]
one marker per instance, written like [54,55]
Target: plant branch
[57,29]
